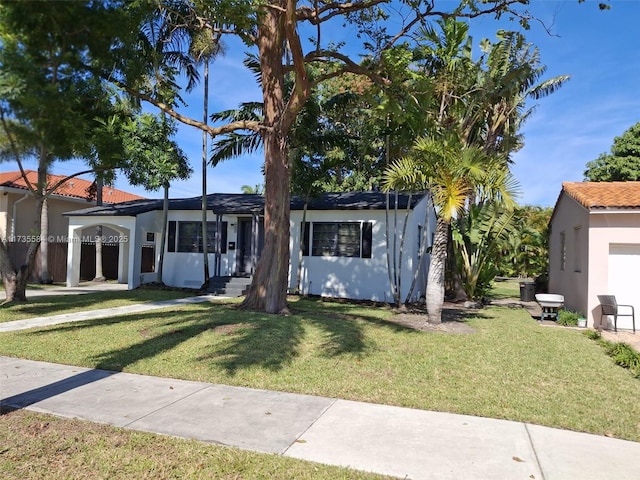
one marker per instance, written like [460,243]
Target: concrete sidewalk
[85,287]
[401,442]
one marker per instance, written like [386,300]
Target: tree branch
[314,16]
[211,130]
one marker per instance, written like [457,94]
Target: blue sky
[600,50]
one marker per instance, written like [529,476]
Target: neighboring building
[594,247]
[18,212]
[344,254]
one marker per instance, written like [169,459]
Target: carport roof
[241,203]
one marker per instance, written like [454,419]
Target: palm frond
[234,145]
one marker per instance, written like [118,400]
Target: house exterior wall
[149,222]
[360,278]
[346,277]
[185,269]
[571,276]
[125,232]
[4,218]
[589,236]
[25,218]
[608,229]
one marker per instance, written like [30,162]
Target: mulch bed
[453,319]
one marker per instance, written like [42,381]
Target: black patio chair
[609,306]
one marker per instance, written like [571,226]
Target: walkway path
[86,287]
[401,442]
[101,313]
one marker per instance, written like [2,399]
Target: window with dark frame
[338,239]
[189,237]
[148,259]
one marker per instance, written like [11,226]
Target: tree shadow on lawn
[242,339]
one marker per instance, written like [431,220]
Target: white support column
[73,255]
[133,267]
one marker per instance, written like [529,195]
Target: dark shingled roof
[241,203]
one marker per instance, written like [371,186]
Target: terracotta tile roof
[74,187]
[602,195]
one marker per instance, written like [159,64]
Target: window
[148,259]
[339,239]
[563,250]
[187,237]
[577,251]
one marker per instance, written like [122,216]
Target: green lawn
[509,368]
[58,304]
[506,288]
[33,446]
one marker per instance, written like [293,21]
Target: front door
[250,241]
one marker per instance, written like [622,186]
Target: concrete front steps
[229,286]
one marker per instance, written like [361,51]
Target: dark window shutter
[223,237]
[171,247]
[305,239]
[367,239]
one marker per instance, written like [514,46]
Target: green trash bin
[527,291]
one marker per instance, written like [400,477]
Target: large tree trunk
[15,279]
[268,290]
[435,278]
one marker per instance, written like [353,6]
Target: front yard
[507,367]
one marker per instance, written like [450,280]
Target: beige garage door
[624,283]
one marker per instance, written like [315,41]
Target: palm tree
[257,189]
[453,173]
[511,76]
[478,236]
[204,47]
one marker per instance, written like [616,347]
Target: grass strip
[34,445]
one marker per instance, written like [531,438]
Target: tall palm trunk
[43,215]
[45,276]
[435,279]
[99,277]
[205,250]
[163,234]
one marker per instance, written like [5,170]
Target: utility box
[527,291]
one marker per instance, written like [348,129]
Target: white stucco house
[344,252]
[594,248]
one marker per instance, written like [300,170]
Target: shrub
[593,334]
[542,284]
[627,357]
[621,353]
[568,318]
